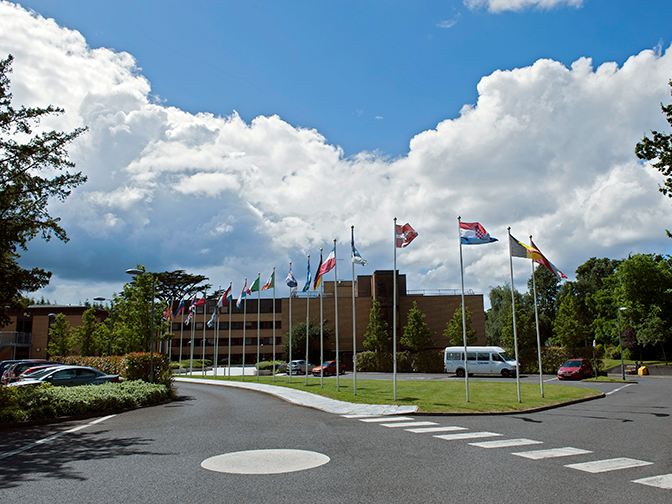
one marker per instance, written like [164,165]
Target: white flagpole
[193,337]
[513,313]
[307,323]
[230,307]
[170,324]
[338,369]
[321,328]
[464,318]
[258,315]
[394,312]
[244,326]
[354,329]
[181,336]
[273,323]
[289,369]
[216,358]
[205,316]
[536,319]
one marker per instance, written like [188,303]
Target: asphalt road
[155,454]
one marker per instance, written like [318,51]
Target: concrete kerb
[309,400]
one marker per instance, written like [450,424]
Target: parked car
[68,376]
[40,367]
[329,369]
[13,371]
[575,369]
[299,367]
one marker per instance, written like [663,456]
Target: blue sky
[226,138]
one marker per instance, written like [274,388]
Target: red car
[577,369]
[329,369]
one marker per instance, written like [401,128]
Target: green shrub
[404,362]
[268,365]
[370,361]
[428,361]
[137,367]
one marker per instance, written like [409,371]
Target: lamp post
[135,271]
[620,343]
[101,299]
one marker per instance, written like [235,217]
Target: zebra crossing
[458,433]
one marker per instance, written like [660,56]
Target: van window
[497,357]
[506,356]
[471,356]
[453,356]
[483,356]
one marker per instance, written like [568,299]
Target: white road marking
[386,419]
[51,438]
[265,461]
[424,430]
[506,443]
[600,466]
[555,452]
[466,435]
[619,388]
[407,424]
[664,481]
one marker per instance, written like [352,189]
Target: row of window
[198,342]
[235,326]
[265,306]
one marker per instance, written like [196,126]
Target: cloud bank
[546,150]
[516,5]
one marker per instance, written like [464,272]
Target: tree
[567,328]
[417,335]
[548,286]
[377,336]
[60,337]
[178,284]
[90,334]
[34,168]
[299,340]
[454,330]
[658,148]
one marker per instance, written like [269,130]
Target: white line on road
[424,430]
[51,438]
[386,419]
[600,466]
[555,452]
[506,443]
[619,388]
[466,435]
[407,424]
[664,481]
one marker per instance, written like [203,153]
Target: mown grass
[434,396]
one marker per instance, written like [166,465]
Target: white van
[480,360]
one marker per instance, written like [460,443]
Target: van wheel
[505,373]
[460,373]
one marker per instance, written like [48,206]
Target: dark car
[13,371]
[329,369]
[68,376]
[39,367]
[575,369]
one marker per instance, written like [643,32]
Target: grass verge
[434,396]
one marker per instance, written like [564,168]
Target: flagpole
[354,329]
[258,316]
[193,337]
[321,326]
[338,361]
[307,317]
[227,301]
[170,323]
[394,311]
[216,359]
[205,314]
[244,325]
[464,318]
[273,323]
[536,319]
[513,313]
[181,336]
[289,368]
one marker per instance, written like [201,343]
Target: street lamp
[620,343]
[135,271]
[101,299]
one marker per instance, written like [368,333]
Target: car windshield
[38,372]
[572,363]
[505,356]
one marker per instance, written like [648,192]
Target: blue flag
[308,278]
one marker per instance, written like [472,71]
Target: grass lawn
[609,379]
[610,363]
[434,396]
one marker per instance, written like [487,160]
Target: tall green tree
[89,336]
[658,148]
[178,284]
[567,328]
[377,336]
[454,330]
[299,341]
[417,335]
[548,286]
[61,340]
[34,169]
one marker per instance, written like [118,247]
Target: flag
[192,307]
[356,258]
[168,312]
[254,287]
[270,283]
[519,249]
[226,297]
[180,309]
[212,319]
[316,282]
[551,267]
[326,267]
[405,235]
[291,281]
[243,293]
[472,233]
[308,277]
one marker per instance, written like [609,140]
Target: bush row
[22,404]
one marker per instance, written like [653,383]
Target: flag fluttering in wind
[291,281]
[308,277]
[195,301]
[472,233]
[325,267]
[180,309]
[168,312]
[405,235]
[226,297]
[270,283]
[316,282]
[519,249]
[254,287]
[242,295]
[551,267]
[356,258]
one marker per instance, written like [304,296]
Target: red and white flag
[405,235]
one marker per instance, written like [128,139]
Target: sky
[228,138]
